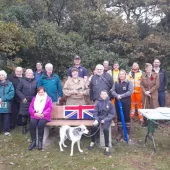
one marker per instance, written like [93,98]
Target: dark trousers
[161,98]
[126,106]
[6,122]
[40,124]
[14,114]
[23,120]
[105,127]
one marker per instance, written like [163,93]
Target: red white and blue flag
[79,112]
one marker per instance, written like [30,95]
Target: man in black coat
[15,105]
[99,82]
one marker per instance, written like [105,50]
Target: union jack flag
[79,112]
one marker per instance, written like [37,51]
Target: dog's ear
[78,129]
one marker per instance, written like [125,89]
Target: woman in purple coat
[40,113]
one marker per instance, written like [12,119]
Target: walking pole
[123,121]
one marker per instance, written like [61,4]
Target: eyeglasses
[99,69]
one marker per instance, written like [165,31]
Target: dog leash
[88,136]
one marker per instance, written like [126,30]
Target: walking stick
[145,102]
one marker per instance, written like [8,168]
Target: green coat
[6,94]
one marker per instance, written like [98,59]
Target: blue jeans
[161,98]
[6,122]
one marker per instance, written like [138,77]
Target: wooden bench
[57,119]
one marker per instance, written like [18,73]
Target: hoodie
[104,110]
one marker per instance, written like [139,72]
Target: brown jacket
[150,84]
[75,91]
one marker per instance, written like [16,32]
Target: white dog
[72,133]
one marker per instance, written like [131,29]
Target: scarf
[4,83]
[40,102]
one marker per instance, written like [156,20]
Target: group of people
[30,96]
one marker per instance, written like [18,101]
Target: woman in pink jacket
[40,113]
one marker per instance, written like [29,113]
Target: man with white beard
[99,82]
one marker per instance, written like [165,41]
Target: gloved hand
[95,123]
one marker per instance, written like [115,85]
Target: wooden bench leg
[102,141]
[37,136]
[46,135]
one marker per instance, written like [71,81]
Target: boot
[33,138]
[32,146]
[128,129]
[40,138]
[24,130]
[40,144]
[120,131]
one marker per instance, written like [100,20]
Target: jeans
[6,122]
[161,98]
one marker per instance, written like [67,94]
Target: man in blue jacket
[163,82]
[103,114]
[51,83]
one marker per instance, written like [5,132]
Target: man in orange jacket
[135,77]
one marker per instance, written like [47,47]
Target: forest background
[54,31]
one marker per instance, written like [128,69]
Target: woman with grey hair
[6,95]
[26,90]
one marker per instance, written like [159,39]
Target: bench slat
[72,123]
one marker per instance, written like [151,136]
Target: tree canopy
[55,30]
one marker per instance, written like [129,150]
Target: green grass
[15,156]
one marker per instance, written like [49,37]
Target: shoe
[32,146]
[107,151]
[24,130]
[91,146]
[7,134]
